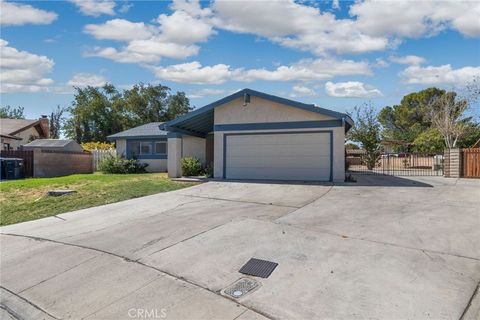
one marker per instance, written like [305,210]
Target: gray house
[247,135]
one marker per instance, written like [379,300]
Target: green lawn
[23,200]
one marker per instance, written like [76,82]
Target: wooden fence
[98,155]
[26,155]
[470,163]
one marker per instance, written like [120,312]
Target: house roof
[14,126]
[200,122]
[49,143]
[3,135]
[149,130]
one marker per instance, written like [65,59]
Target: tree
[8,112]
[429,141]
[406,121]
[367,131]
[448,114]
[95,114]
[100,112]
[55,122]
[178,104]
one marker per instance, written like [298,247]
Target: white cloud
[172,36]
[295,25]
[193,72]
[205,93]
[416,19]
[119,29]
[17,14]
[351,89]
[443,74]
[303,70]
[22,71]
[95,8]
[87,79]
[301,91]
[410,60]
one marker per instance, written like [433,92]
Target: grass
[23,200]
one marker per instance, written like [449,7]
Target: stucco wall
[194,147]
[261,110]
[121,147]
[155,165]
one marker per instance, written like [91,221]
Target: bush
[191,166]
[90,146]
[209,170]
[111,164]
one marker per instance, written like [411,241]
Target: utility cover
[258,268]
[241,287]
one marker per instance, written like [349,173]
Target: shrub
[89,146]
[209,170]
[112,164]
[191,166]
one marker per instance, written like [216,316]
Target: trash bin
[11,168]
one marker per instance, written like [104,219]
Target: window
[145,147]
[160,147]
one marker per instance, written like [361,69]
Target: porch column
[174,156]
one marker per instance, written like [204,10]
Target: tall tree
[94,115]
[99,112]
[410,118]
[366,131]
[8,112]
[55,122]
[449,115]
[178,104]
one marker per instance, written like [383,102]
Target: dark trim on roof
[246,93]
[3,135]
[153,137]
[279,125]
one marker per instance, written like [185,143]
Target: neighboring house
[54,145]
[147,143]
[18,132]
[394,146]
[247,135]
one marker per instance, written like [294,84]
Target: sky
[336,54]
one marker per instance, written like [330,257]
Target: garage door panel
[284,156]
[278,162]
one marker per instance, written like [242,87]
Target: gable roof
[13,126]
[200,121]
[149,130]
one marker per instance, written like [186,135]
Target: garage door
[278,156]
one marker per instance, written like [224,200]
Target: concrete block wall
[48,163]
[452,163]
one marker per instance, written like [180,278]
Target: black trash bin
[12,168]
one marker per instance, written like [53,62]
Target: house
[147,143]
[18,132]
[393,146]
[54,145]
[247,135]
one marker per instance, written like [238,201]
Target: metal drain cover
[241,287]
[258,268]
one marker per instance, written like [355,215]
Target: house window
[161,147]
[145,147]
[6,146]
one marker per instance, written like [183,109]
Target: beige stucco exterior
[261,110]
[121,147]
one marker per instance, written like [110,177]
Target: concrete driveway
[382,248]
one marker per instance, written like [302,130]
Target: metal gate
[397,164]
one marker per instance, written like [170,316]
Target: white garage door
[278,156]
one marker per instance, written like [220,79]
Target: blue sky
[334,54]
